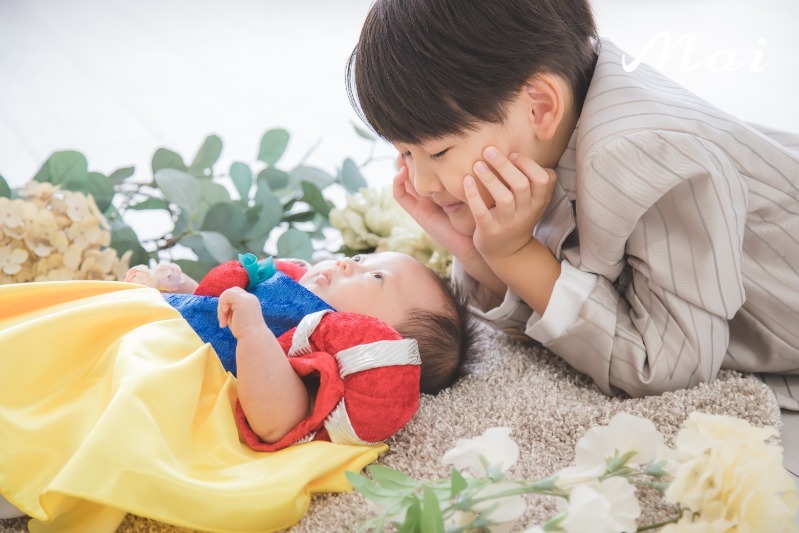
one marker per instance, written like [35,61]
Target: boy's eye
[356,258]
[406,155]
[377,275]
[440,154]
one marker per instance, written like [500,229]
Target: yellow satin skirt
[110,403]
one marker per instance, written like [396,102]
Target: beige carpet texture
[548,405]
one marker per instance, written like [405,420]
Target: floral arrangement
[50,234]
[210,214]
[723,475]
[372,221]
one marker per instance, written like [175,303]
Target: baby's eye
[356,258]
[377,275]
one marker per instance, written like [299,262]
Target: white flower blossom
[492,452]
[606,507]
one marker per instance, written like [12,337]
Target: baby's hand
[241,311]
[521,190]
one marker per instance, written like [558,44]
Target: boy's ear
[546,100]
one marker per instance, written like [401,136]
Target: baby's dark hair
[423,69]
[444,338]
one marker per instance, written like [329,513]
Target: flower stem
[659,524]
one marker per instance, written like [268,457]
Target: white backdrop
[116,79]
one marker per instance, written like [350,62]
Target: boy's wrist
[533,283]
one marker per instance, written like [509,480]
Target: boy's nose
[426,182]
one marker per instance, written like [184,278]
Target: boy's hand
[521,190]
[241,311]
[428,214]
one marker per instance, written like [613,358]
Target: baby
[374,300]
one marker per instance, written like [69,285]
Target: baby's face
[384,285]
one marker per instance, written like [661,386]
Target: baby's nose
[345,265]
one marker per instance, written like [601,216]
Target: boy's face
[384,285]
[437,167]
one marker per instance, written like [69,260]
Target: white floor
[117,79]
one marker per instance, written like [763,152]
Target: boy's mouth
[451,208]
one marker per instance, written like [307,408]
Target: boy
[641,234]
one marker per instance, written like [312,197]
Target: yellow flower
[98,264]
[11,259]
[725,471]
[13,215]
[86,233]
[72,257]
[43,235]
[38,193]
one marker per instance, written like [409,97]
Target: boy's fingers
[513,176]
[503,197]
[475,201]
[536,174]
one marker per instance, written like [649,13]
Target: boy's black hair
[444,338]
[423,69]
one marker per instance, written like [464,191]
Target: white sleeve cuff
[570,292]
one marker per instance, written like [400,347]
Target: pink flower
[142,275]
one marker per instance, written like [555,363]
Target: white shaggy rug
[548,405]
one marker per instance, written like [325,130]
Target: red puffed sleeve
[233,274]
[368,380]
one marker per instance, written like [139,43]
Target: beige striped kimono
[690,219]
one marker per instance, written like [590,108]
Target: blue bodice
[284,302]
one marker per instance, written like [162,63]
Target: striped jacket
[690,219]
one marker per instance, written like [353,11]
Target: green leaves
[64,168]
[207,155]
[179,188]
[273,144]
[255,207]
[5,190]
[351,177]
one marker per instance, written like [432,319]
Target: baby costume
[368,374]
[111,403]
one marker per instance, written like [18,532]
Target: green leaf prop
[150,203]
[241,175]
[226,218]
[264,208]
[312,195]
[273,145]
[123,238]
[100,187]
[276,180]
[218,246]
[165,158]
[295,243]
[314,175]
[351,177]
[5,190]
[179,188]
[432,520]
[121,174]
[207,155]
[67,167]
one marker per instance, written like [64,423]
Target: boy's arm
[504,232]
[273,397]
[667,250]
